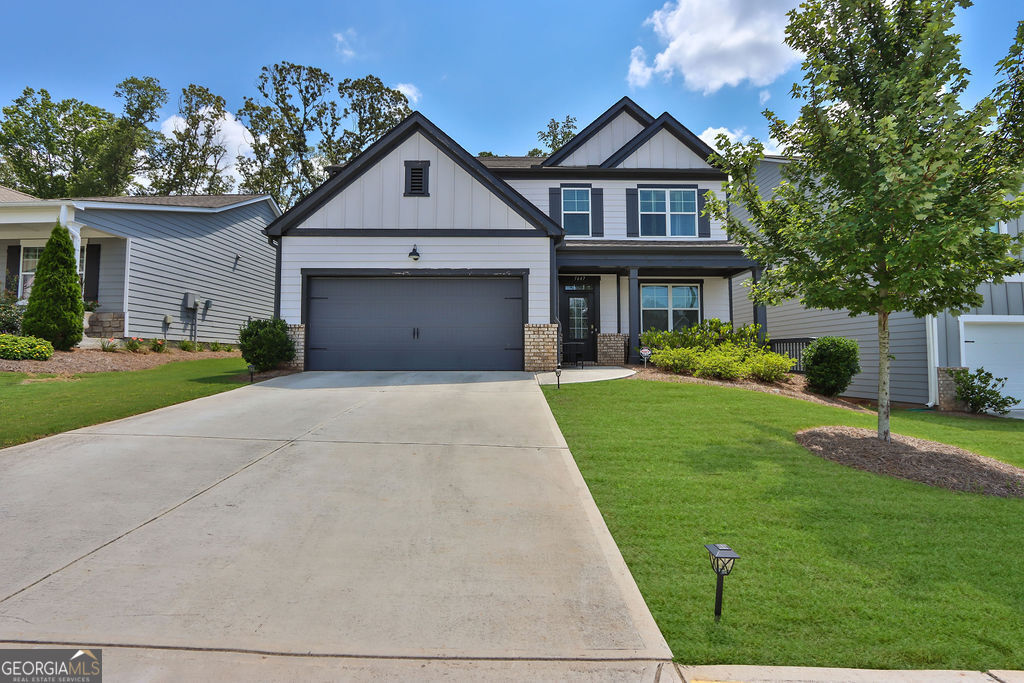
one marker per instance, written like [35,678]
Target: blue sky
[490,74]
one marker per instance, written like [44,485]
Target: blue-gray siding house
[181,267]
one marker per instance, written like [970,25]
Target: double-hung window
[576,211]
[668,213]
[29,263]
[669,307]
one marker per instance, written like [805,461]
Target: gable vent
[417,178]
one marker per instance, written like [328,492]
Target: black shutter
[597,212]
[632,212]
[91,292]
[555,204]
[703,221]
[13,267]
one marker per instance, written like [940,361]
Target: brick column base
[297,333]
[105,325]
[611,348]
[947,391]
[540,347]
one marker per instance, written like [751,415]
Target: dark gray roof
[198,201]
[510,162]
[9,195]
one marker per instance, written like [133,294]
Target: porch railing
[792,347]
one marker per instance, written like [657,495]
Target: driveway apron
[390,515]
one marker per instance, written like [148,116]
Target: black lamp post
[722,559]
[252,372]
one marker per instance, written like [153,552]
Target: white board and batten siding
[175,253]
[605,142]
[375,200]
[392,253]
[663,150]
[536,192]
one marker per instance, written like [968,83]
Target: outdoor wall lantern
[722,559]
[414,254]
[558,375]
[252,372]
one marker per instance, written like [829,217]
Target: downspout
[931,333]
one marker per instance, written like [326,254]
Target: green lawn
[839,567]
[40,408]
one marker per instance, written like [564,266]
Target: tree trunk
[883,376]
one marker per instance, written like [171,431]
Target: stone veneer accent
[105,325]
[297,333]
[947,391]
[611,348]
[540,347]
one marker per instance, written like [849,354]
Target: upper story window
[668,213]
[417,178]
[576,210]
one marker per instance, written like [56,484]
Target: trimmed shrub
[677,360]
[830,364]
[704,335]
[13,347]
[187,345]
[721,362]
[982,391]
[768,366]
[265,343]
[55,308]
[216,346]
[10,317]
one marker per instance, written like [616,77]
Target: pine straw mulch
[794,386]
[90,360]
[928,462]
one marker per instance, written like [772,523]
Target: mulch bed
[90,360]
[794,386]
[928,462]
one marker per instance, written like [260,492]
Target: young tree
[193,158]
[55,307]
[892,184]
[557,134]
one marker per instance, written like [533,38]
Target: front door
[578,315]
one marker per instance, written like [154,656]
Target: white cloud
[763,97]
[410,91]
[738,135]
[639,72]
[714,43]
[343,43]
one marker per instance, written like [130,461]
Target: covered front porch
[607,295]
[24,230]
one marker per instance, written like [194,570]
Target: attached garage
[996,343]
[421,322]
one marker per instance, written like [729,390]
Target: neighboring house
[991,336]
[181,267]
[417,255]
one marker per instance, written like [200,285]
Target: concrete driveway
[436,517]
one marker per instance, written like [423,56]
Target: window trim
[668,213]
[409,166]
[588,212]
[32,244]
[699,284]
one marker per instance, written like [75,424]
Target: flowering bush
[13,347]
[133,344]
[108,345]
[157,345]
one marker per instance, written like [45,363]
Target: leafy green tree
[536,152]
[55,308]
[892,184]
[486,154]
[70,148]
[372,109]
[193,158]
[556,134]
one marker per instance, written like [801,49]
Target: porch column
[75,230]
[634,315]
[760,312]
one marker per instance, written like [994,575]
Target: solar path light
[252,372]
[722,560]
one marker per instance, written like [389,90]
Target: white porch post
[67,219]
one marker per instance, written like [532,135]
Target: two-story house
[417,255]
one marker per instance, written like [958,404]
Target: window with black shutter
[417,178]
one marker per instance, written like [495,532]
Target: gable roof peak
[668,123]
[625,104]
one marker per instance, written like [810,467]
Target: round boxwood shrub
[265,343]
[830,364]
[13,347]
[55,307]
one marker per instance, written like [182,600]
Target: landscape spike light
[723,558]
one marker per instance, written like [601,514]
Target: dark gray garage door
[414,323]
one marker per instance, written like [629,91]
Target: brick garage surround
[297,333]
[611,348]
[947,391]
[540,347]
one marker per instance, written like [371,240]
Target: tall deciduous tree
[371,110]
[556,134]
[193,159]
[892,184]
